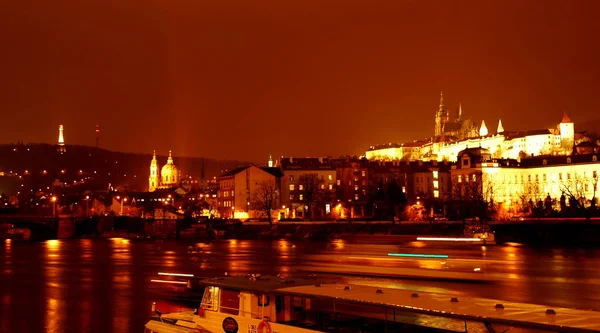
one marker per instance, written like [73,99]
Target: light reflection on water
[104,285]
[53,275]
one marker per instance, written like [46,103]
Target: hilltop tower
[97,136]
[61,140]
[153,180]
[567,134]
[270,162]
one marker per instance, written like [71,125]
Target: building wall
[246,184]
[291,192]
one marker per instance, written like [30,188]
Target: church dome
[169,172]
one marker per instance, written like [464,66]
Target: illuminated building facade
[240,189]
[513,182]
[353,185]
[168,177]
[308,181]
[452,136]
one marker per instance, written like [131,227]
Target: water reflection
[121,282]
[53,276]
[104,285]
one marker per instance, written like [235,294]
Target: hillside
[97,167]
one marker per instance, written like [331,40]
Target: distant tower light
[97,136]
[61,139]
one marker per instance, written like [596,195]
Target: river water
[105,285]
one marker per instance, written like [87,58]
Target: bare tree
[577,185]
[265,198]
[311,191]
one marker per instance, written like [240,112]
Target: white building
[516,182]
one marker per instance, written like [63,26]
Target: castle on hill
[452,135]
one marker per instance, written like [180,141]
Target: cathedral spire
[441,100]
[500,127]
[170,159]
[483,131]
[459,111]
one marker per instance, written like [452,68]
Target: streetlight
[122,200]
[53,206]
[87,206]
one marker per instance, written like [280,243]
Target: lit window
[474,177]
[560,176]
[291,178]
[356,187]
[331,186]
[301,197]
[301,187]
[322,186]
[436,184]
[291,187]
[364,173]
[291,197]
[436,193]
[338,182]
[330,177]
[435,175]
[356,196]
[460,178]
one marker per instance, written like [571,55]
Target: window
[291,197]
[364,192]
[528,178]
[465,162]
[560,176]
[537,178]
[460,178]
[330,177]
[594,174]
[474,177]
[544,177]
[301,187]
[356,196]
[291,187]
[301,197]
[568,160]
[436,184]
[330,186]
[356,187]
[594,158]
[292,178]
[322,186]
[363,173]
[322,177]
[338,182]
[436,193]
[435,175]
[568,175]
[363,183]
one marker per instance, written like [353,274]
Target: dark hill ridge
[103,166]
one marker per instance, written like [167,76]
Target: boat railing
[233,311]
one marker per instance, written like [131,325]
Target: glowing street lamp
[87,206]
[53,206]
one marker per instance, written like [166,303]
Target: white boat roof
[466,308]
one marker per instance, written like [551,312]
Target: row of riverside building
[350,187]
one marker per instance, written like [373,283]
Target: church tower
[153,180]
[441,117]
[270,162]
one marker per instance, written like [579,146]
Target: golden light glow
[53,199]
